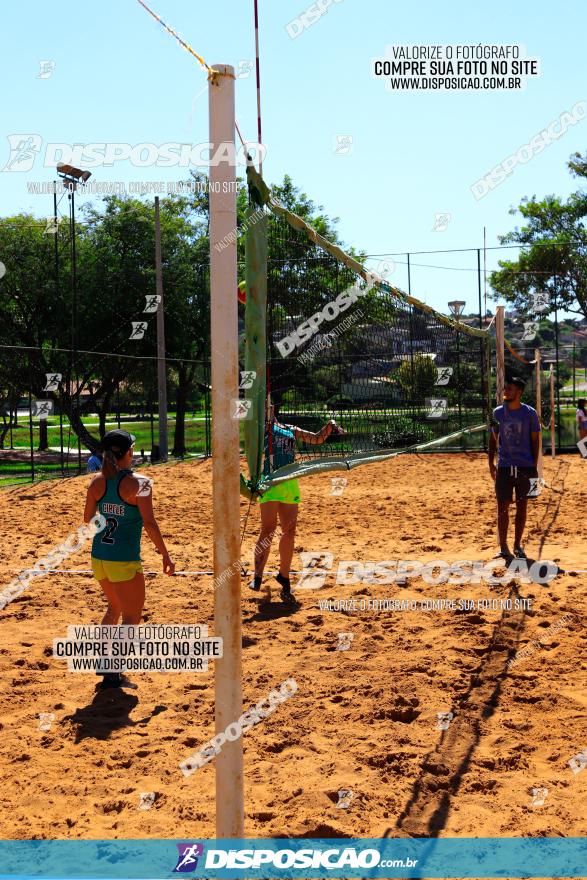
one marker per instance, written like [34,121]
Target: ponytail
[109,465]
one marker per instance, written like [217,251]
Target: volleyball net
[327,338]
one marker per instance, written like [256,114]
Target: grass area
[397,422]
[18,471]
[195,434]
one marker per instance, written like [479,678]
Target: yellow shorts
[117,572]
[287,493]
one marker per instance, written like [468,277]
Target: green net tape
[256,343]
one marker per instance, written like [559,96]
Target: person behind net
[516,435]
[581,417]
[280,502]
[94,463]
[125,501]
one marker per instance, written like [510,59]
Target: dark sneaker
[256,583]
[288,598]
[283,581]
[504,554]
[520,553]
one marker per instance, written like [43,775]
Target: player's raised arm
[318,437]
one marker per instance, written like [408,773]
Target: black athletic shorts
[510,478]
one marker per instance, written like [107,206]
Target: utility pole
[161,365]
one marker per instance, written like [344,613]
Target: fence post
[161,364]
[552,419]
[31,420]
[500,353]
[538,374]
[61,430]
[207,414]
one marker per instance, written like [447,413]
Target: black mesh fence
[390,374]
[50,423]
[88,363]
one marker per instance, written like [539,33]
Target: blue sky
[119,77]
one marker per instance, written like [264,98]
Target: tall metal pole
[71,197]
[74,331]
[56,249]
[552,448]
[410,313]
[485,268]
[479,287]
[225,452]
[459,401]
[539,402]
[574,392]
[207,414]
[31,419]
[500,353]
[161,365]
[484,395]
[558,398]
[152,420]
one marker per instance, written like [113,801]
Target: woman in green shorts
[125,501]
[281,501]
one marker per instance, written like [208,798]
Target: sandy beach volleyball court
[364,720]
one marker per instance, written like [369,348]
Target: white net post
[225,450]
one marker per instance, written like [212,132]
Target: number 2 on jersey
[111,526]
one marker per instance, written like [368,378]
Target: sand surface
[364,720]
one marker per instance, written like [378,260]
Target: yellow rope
[515,353]
[255,179]
[212,73]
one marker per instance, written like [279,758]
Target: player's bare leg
[520,525]
[114,609]
[503,521]
[288,517]
[131,596]
[263,545]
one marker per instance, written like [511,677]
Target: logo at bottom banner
[328,859]
[187,860]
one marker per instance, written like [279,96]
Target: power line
[465,269]
[497,247]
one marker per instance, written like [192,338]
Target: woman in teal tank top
[125,501]
[281,501]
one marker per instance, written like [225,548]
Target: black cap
[118,441]
[518,382]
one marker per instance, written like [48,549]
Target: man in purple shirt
[516,435]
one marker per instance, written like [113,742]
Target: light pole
[71,176]
[161,368]
[457,307]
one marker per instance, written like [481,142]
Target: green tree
[553,258]
[120,274]
[417,377]
[31,312]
